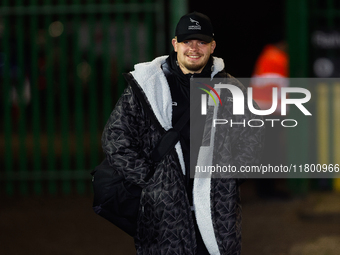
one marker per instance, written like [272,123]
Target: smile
[193,56]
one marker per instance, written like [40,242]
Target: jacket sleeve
[122,139]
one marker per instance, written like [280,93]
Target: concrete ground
[67,225]
[305,226]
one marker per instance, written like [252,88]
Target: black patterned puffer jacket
[165,221]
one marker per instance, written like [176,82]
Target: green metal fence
[60,66]
[313,33]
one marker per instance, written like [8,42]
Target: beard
[194,67]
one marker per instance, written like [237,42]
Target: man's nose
[194,45]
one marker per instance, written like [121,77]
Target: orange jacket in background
[271,70]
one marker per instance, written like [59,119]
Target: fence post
[178,8]
[8,133]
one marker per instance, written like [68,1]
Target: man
[157,95]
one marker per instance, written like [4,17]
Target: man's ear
[212,46]
[174,44]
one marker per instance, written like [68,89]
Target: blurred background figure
[271,71]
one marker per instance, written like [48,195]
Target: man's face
[193,55]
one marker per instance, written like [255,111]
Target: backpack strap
[170,138]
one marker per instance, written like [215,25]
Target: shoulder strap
[170,138]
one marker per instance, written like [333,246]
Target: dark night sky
[242,28]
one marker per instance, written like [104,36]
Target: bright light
[56,29]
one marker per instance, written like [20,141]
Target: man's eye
[203,43]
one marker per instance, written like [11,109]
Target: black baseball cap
[194,25]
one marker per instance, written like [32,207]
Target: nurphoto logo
[238,103]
